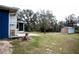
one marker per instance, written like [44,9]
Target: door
[4,24]
[20,26]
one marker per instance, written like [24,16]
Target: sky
[60,8]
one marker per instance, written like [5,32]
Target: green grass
[47,43]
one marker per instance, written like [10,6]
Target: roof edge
[11,9]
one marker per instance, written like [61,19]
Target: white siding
[71,30]
[12,23]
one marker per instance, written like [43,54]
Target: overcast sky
[60,8]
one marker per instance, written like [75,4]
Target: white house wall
[12,23]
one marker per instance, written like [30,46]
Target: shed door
[4,24]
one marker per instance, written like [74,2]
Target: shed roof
[11,9]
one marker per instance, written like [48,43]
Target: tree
[70,20]
[61,24]
[39,21]
[46,20]
[27,16]
[43,21]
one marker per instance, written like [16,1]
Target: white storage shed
[8,21]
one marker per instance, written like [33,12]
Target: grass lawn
[47,43]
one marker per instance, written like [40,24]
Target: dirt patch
[5,47]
